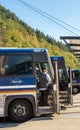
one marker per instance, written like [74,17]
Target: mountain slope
[15,33]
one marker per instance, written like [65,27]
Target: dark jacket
[43,82]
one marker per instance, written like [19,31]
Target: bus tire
[75,90]
[20,111]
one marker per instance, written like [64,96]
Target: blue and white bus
[75,81]
[65,80]
[19,91]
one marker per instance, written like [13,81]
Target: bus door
[47,100]
[56,87]
[65,82]
[70,96]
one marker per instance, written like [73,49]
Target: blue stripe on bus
[16,81]
[76,81]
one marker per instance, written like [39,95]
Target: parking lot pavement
[69,119]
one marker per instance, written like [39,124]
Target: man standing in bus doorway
[44,83]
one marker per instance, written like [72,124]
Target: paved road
[69,119]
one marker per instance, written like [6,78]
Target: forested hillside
[16,33]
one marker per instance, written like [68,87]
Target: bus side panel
[12,88]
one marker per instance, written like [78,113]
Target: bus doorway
[65,80]
[46,97]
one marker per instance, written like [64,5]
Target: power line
[47,16]
[54,17]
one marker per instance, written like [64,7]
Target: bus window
[40,66]
[63,75]
[75,75]
[39,71]
[15,64]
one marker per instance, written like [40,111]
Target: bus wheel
[75,90]
[20,111]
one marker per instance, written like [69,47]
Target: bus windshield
[75,74]
[15,64]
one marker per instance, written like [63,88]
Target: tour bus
[64,78]
[75,81]
[19,89]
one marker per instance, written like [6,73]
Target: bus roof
[21,50]
[75,70]
[57,57]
